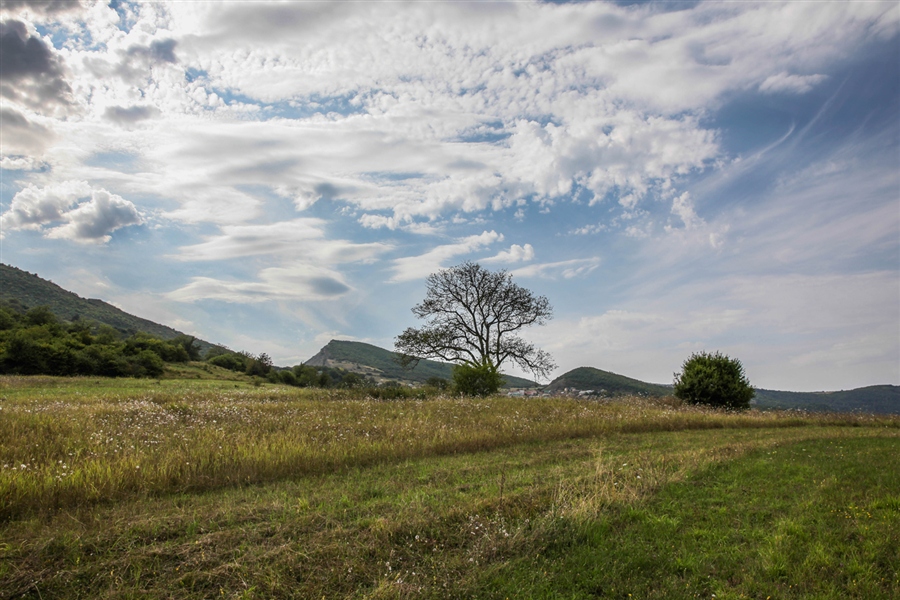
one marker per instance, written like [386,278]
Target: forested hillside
[604,383]
[23,291]
[373,361]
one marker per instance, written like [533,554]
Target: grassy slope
[384,361]
[29,290]
[589,378]
[658,503]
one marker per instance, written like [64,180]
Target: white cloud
[34,207]
[98,214]
[567,269]
[794,84]
[446,118]
[304,237]
[516,253]
[684,209]
[95,220]
[452,109]
[419,267]
[300,282]
[23,137]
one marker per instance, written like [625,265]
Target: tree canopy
[473,318]
[715,380]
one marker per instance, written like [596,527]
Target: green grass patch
[814,519]
[200,489]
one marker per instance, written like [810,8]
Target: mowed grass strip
[658,514]
[813,519]
[66,443]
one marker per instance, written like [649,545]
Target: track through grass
[502,498]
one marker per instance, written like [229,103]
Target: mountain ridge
[373,361]
[878,399]
[28,290]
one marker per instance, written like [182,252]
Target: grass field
[201,489]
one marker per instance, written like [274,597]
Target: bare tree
[473,317]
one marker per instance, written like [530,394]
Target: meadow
[126,488]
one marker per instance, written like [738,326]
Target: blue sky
[674,177]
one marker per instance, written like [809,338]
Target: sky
[675,177]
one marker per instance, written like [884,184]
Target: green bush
[438,383]
[714,380]
[147,364]
[233,361]
[482,380]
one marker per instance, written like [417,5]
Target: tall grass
[73,442]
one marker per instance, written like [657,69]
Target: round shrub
[482,380]
[714,380]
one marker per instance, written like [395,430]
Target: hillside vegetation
[25,290]
[126,488]
[373,361]
[879,399]
[604,383]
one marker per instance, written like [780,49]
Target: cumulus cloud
[418,267]
[88,214]
[130,115]
[33,74]
[34,207]
[516,253]
[684,209]
[40,7]
[136,59]
[415,123]
[23,136]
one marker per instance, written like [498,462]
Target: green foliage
[148,364]
[26,291]
[482,380]
[40,315]
[233,361]
[385,363]
[169,351]
[259,366]
[714,380]
[589,378]
[474,316]
[36,342]
[190,345]
[305,375]
[438,383]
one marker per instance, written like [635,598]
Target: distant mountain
[604,383]
[381,364]
[878,399]
[24,290]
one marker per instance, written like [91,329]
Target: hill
[604,383]
[381,364]
[878,399]
[25,290]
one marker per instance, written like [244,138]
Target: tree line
[37,342]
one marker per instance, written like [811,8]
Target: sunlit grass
[139,489]
[69,442]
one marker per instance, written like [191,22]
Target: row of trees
[473,318]
[36,342]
